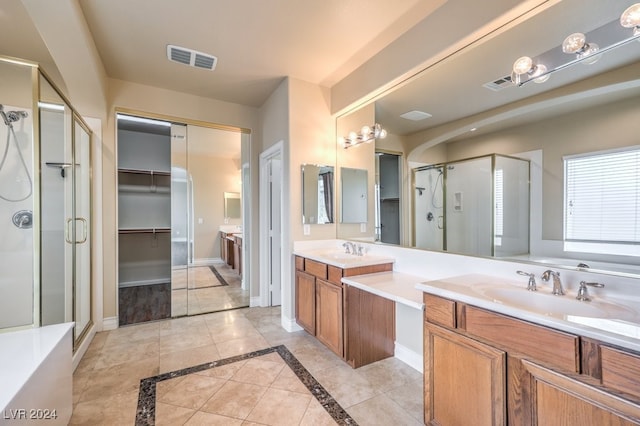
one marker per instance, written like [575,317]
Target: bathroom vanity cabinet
[331,311]
[486,368]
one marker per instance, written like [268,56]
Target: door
[329,316]
[306,301]
[388,194]
[275,231]
[464,380]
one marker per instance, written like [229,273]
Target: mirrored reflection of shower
[429,211]
[14,169]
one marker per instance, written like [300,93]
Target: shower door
[428,205]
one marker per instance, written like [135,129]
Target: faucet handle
[531,285]
[346,247]
[583,293]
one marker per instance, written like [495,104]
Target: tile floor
[253,392]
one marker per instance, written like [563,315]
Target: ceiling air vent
[191,57]
[499,84]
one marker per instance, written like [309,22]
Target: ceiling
[257,42]
[453,89]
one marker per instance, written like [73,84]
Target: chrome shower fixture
[10,117]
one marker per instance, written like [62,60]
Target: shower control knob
[429,216]
[23,219]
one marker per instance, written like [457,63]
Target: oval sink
[548,304]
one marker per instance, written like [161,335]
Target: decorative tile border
[146,413]
[218,276]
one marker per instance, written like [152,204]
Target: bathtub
[36,384]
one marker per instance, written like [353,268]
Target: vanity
[518,360]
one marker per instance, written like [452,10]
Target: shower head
[11,116]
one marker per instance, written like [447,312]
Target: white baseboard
[207,261]
[409,357]
[254,302]
[110,323]
[79,353]
[289,324]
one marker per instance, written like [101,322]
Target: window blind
[602,195]
[499,207]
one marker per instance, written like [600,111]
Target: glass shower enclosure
[45,200]
[477,206]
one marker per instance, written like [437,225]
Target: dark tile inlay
[146,414]
[218,276]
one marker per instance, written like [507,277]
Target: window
[499,210]
[602,195]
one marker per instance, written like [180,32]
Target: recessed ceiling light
[416,115]
[473,129]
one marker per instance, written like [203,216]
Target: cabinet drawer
[549,346]
[335,275]
[438,310]
[317,269]
[620,370]
[299,263]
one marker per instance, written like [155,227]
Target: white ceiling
[257,42]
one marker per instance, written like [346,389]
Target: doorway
[271,226]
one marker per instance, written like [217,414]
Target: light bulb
[631,17]
[539,70]
[589,53]
[574,43]
[383,134]
[522,65]
[342,141]
[353,136]
[365,131]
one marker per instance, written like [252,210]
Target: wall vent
[499,84]
[191,57]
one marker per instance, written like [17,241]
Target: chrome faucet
[346,246]
[583,294]
[531,285]
[557,284]
[350,248]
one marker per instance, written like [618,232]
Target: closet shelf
[144,189]
[157,230]
[145,172]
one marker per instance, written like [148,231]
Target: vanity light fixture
[366,135]
[538,69]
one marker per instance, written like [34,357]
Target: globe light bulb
[522,65]
[589,53]
[631,17]
[574,43]
[539,70]
[383,134]
[353,136]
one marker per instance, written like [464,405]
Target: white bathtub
[35,367]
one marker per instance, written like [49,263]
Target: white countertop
[400,288]
[342,260]
[22,352]
[613,321]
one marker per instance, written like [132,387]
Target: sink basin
[344,260]
[548,304]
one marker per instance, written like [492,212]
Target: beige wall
[607,126]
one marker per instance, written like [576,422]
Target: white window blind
[499,207]
[602,195]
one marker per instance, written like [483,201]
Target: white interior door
[275,231]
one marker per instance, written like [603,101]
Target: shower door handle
[84,230]
[66,231]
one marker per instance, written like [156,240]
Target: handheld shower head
[11,116]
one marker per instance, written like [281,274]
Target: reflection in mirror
[317,194]
[354,195]
[580,111]
[232,208]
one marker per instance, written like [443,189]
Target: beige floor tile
[172,415]
[224,371]
[115,410]
[389,373]
[178,360]
[273,357]
[181,325]
[234,331]
[317,359]
[287,380]
[234,399]
[410,397]
[192,392]
[382,411]
[280,407]
[124,353]
[119,379]
[241,346]
[258,372]
[208,419]
[316,415]
[163,387]
[187,340]
[346,385]
[133,334]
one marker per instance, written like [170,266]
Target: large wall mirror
[465,108]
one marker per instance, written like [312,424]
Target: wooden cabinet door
[464,380]
[557,399]
[369,327]
[306,301]
[329,315]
